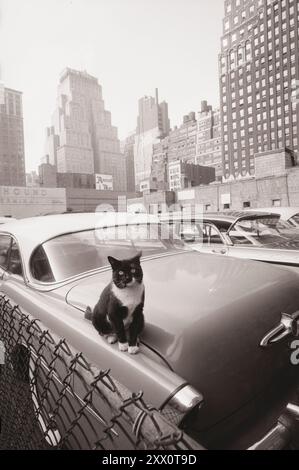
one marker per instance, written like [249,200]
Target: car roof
[5,220]
[285,212]
[32,232]
[232,216]
[226,216]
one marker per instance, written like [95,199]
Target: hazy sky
[132,46]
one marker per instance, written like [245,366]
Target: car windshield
[262,232]
[72,254]
[294,220]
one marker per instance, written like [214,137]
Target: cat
[119,311]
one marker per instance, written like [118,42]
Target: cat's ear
[114,262]
[136,258]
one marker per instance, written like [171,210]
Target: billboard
[104,182]
[19,201]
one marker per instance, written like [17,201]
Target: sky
[131,46]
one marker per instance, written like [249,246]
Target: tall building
[12,154]
[51,146]
[47,175]
[152,125]
[209,141]
[32,179]
[82,139]
[159,171]
[259,67]
[182,140]
[128,151]
[179,145]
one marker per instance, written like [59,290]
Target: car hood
[206,315]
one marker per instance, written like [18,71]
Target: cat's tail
[88,313]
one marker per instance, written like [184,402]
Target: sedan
[215,346]
[290,215]
[251,235]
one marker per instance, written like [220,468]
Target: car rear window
[72,254]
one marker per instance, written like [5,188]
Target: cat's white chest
[129,297]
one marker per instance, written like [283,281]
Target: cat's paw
[111,339]
[123,346]
[133,349]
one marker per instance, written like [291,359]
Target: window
[5,241]
[211,235]
[246,204]
[69,255]
[15,263]
[276,203]
[258,232]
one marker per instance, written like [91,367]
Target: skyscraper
[259,68]
[128,151]
[82,139]
[12,158]
[152,125]
[209,140]
[182,140]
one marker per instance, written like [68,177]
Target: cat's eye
[133,270]
[120,273]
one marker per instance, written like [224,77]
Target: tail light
[180,404]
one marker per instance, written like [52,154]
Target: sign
[186,195]
[104,182]
[225,198]
[19,201]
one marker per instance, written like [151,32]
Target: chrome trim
[293,410]
[281,434]
[185,399]
[276,439]
[289,325]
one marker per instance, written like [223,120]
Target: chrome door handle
[219,252]
[288,326]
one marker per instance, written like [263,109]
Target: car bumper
[284,434]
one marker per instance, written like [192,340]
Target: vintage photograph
[149,227]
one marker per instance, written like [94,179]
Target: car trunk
[206,315]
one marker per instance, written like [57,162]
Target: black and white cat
[118,315]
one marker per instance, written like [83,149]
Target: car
[288,219]
[216,343]
[6,219]
[287,214]
[252,235]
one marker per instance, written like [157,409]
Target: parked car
[287,214]
[216,340]
[251,235]
[5,220]
[288,224]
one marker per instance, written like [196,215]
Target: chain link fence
[51,397]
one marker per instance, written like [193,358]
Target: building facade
[47,175]
[209,139]
[183,175]
[182,140]
[12,152]
[152,125]
[82,139]
[259,73]
[159,171]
